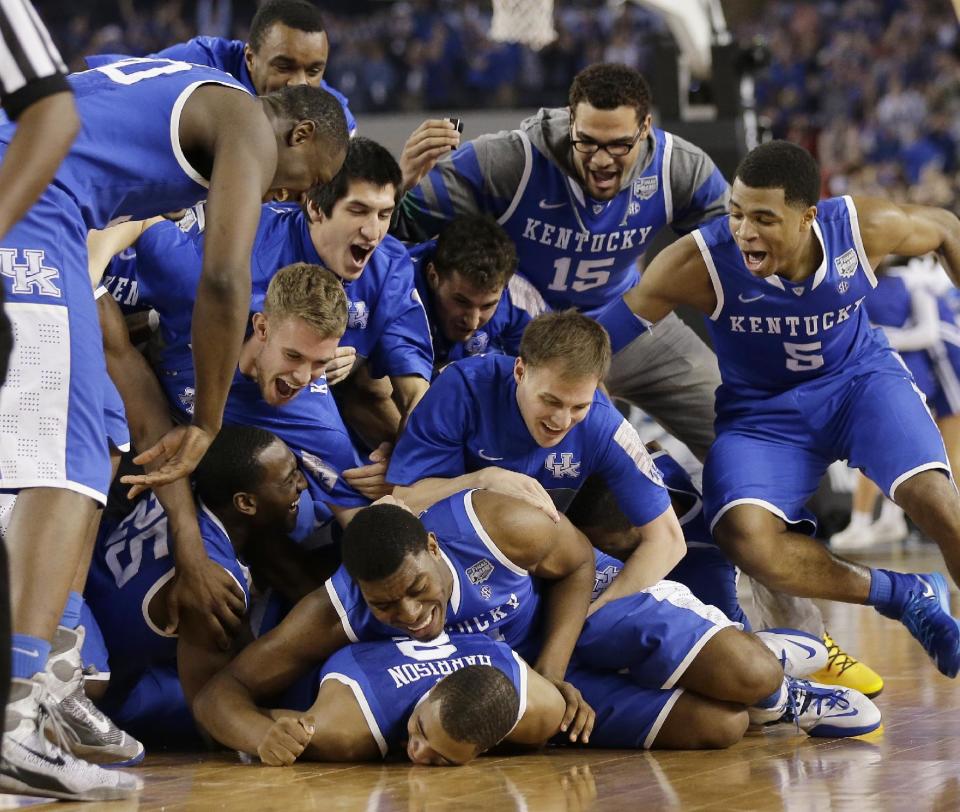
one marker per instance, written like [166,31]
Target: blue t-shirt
[469,419]
[519,305]
[222,54]
[491,595]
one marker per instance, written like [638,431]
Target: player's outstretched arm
[911,231]
[227,705]
[556,552]
[231,130]
[677,276]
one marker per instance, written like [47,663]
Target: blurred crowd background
[871,87]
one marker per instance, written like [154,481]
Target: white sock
[890,512]
[775,709]
[860,519]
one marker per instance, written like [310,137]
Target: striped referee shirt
[30,65]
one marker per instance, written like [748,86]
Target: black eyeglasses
[615,149]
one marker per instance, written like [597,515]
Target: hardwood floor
[911,763]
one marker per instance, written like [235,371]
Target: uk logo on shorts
[564,467]
[30,276]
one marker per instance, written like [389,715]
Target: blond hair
[311,293]
[569,339]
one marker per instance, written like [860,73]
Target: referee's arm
[34,93]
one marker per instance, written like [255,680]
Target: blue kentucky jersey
[519,304]
[385,319]
[226,55]
[491,595]
[391,677]
[580,252]
[469,419]
[122,283]
[890,305]
[127,163]
[770,334]
[132,561]
[309,424]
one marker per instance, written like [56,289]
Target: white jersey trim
[145,603]
[525,296]
[927,466]
[178,106]
[661,718]
[487,541]
[760,503]
[667,188]
[455,594]
[524,679]
[858,240]
[365,708]
[524,179]
[712,270]
[821,273]
[341,611]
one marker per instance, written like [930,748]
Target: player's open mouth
[423,625]
[753,259]
[552,432]
[286,390]
[361,253]
[604,179]
[295,505]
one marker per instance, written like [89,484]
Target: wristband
[622,324]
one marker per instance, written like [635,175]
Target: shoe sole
[98,756]
[828,731]
[13,786]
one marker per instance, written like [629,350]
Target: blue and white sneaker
[829,712]
[927,615]
[799,653]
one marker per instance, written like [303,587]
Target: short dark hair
[231,464]
[306,103]
[607,86]
[576,342]
[300,15]
[366,161]
[782,165]
[478,704]
[378,539]
[476,247]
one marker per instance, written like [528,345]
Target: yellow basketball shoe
[842,669]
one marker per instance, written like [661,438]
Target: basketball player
[443,701]
[806,381]
[475,303]
[404,576]
[125,164]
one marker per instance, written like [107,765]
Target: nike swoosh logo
[98,722]
[545,205]
[492,459]
[747,301]
[56,762]
[811,652]
[928,591]
[27,651]
[853,712]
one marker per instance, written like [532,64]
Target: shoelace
[47,711]
[833,697]
[837,658]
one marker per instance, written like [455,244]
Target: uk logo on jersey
[477,343]
[847,263]
[564,467]
[30,276]
[645,188]
[358,314]
[479,572]
[322,471]
[603,578]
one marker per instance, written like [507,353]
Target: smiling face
[356,226]
[429,744]
[413,598]
[287,56]
[601,173]
[550,402]
[459,306]
[286,355]
[772,235]
[278,493]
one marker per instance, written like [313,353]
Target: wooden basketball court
[910,763]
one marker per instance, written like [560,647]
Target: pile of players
[528,571]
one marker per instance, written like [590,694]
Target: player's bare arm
[908,230]
[226,136]
[661,546]
[406,394]
[543,715]
[227,706]
[557,552]
[202,588]
[677,276]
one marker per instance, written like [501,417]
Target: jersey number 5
[803,357]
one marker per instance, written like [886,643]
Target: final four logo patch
[847,263]
[480,572]
[645,188]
